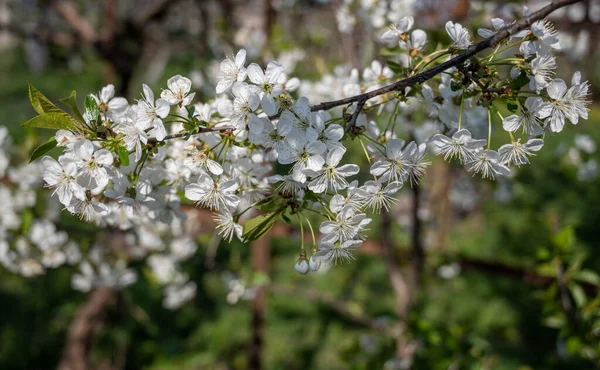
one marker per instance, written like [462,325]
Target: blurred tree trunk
[87,320]
[261,251]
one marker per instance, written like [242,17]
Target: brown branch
[75,353]
[339,306]
[491,42]
[77,22]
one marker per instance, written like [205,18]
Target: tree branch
[339,306]
[78,23]
[491,42]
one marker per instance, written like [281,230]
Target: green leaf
[257,227]
[455,85]
[91,112]
[395,67]
[40,103]
[512,106]
[26,220]
[43,149]
[71,102]
[286,218]
[54,120]
[520,81]
[123,154]
[588,276]
[556,321]
[578,295]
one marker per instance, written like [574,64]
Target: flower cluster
[261,146]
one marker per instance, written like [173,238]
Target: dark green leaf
[257,227]
[395,67]
[43,149]
[123,154]
[520,81]
[286,218]
[71,102]
[55,121]
[512,106]
[455,85]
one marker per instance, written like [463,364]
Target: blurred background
[462,274]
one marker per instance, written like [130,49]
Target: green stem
[489,128]
[460,114]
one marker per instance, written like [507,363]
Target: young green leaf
[54,120]
[43,149]
[91,112]
[71,102]
[123,155]
[40,103]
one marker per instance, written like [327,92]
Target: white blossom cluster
[29,245]
[31,242]
[374,13]
[259,146]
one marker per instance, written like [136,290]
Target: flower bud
[314,264]
[302,266]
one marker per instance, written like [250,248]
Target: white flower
[528,119]
[199,159]
[288,185]
[497,24]
[398,164]
[336,252]
[232,71]
[487,163]
[545,31]
[177,294]
[134,134]
[226,226]
[62,177]
[178,91]
[542,68]
[346,226]
[459,35]
[150,114]
[214,195]
[377,72]
[565,104]
[416,42]
[305,154]
[355,199]
[396,31]
[92,163]
[331,176]
[245,102]
[108,104]
[462,145]
[517,153]
[377,197]
[267,84]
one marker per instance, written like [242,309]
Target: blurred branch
[77,22]
[75,353]
[345,309]
[62,39]
[139,15]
